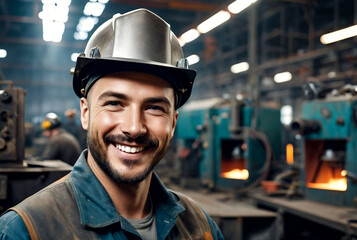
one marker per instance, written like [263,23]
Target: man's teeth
[128,149]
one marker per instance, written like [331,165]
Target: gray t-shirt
[146,226]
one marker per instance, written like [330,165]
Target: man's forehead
[129,80]
[138,77]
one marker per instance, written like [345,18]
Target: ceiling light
[240,67]
[53,15]
[74,57]
[80,35]
[86,24]
[57,2]
[190,35]
[282,77]
[48,2]
[193,59]
[63,2]
[93,8]
[286,114]
[3,53]
[52,31]
[339,35]
[239,5]
[214,21]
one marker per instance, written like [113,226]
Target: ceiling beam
[19,19]
[175,5]
[41,42]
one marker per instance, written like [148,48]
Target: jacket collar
[96,208]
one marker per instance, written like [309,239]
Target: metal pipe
[304,127]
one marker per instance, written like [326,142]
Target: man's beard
[100,156]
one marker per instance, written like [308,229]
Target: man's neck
[131,201]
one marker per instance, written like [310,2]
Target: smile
[128,149]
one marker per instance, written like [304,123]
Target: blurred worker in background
[131,80]
[71,126]
[61,144]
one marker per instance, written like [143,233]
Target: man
[131,81]
[61,144]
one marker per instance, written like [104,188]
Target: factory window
[286,114]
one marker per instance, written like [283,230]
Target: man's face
[130,118]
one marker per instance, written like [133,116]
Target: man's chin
[130,175]
[131,180]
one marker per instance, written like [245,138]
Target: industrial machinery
[20,178]
[227,144]
[328,129]
[12,127]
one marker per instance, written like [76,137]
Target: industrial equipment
[227,144]
[19,177]
[328,129]
[12,127]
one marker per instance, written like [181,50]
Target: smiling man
[130,81]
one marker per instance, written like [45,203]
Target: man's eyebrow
[113,94]
[162,100]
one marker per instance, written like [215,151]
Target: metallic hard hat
[51,121]
[138,41]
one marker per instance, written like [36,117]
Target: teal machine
[227,144]
[329,133]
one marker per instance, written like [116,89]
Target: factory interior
[266,144]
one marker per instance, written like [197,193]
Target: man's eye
[156,108]
[112,103]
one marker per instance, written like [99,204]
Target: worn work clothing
[78,207]
[63,146]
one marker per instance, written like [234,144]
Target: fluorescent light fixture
[63,2]
[49,8]
[61,14]
[48,2]
[93,8]
[282,77]
[286,114]
[57,2]
[103,1]
[74,57]
[190,35]
[240,67]
[86,24]
[53,15]
[339,35]
[193,59]
[214,21]
[239,5]
[80,35]
[3,53]
[52,31]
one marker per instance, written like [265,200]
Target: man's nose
[134,123]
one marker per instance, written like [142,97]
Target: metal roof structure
[271,35]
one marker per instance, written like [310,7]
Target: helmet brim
[181,79]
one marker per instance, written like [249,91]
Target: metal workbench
[335,221]
[18,183]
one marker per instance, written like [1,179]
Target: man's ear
[174,122]
[84,113]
